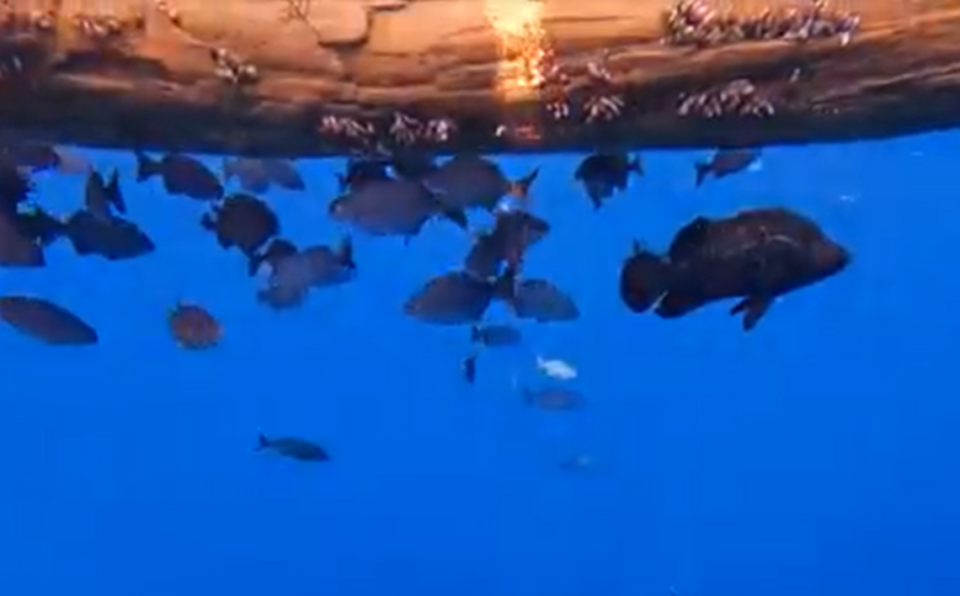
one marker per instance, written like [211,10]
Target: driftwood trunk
[328,77]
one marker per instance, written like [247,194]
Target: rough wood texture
[324,77]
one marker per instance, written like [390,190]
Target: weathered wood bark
[324,77]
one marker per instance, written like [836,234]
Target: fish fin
[703,170]
[753,309]
[208,223]
[147,167]
[469,367]
[342,183]
[345,252]
[520,189]
[457,216]
[636,166]
[262,442]
[475,334]
[227,169]
[253,264]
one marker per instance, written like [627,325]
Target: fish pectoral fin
[753,307]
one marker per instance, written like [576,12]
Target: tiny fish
[555,368]
[514,232]
[294,448]
[726,162]
[495,336]
[39,226]
[554,399]
[250,172]
[602,174]
[284,174]
[293,276]
[182,175]
[46,321]
[193,327]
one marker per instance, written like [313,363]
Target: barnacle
[232,69]
[439,130]
[405,130]
[603,107]
[694,22]
[349,128]
[737,98]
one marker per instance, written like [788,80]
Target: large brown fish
[46,321]
[756,255]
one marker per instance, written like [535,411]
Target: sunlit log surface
[328,77]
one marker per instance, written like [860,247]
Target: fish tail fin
[207,222]
[636,166]
[342,183]
[505,286]
[474,334]
[254,263]
[457,216]
[262,442]
[147,167]
[227,169]
[703,170]
[345,252]
[520,189]
[113,191]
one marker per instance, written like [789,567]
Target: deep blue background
[816,455]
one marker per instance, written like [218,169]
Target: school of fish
[753,256]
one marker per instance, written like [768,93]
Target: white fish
[557,369]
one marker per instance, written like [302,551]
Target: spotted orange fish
[193,327]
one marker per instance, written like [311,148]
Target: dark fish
[391,207]
[468,181]
[284,174]
[17,248]
[243,221]
[101,196]
[276,250]
[469,368]
[112,237]
[495,336]
[513,234]
[182,175]
[250,172]
[756,255]
[46,321]
[412,166]
[554,398]
[38,225]
[361,171]
[257,175]
[193,327]
[15,186]
[460,298]
[34,157]
[299,449]
[726,162]
[456,298]
[602,174]
[292,277]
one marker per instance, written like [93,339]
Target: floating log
[332,77]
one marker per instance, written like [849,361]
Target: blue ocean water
[817,454]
